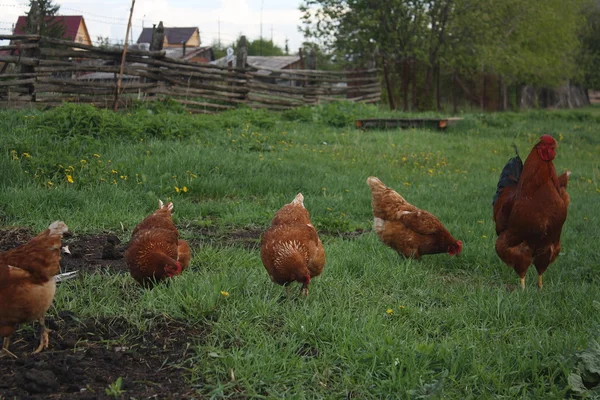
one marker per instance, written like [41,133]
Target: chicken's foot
[539,283]
[523,283]
[5,350]
[44,340]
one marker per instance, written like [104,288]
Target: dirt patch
[85,358]
[248,238]
[89,253]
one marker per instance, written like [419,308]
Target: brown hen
[155,251]
[410,231]
[27,284]
[291,250]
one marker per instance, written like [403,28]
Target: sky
[229,18]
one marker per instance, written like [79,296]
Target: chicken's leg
[44,340]
[522,283]
[5,351]
[287,290]
[540,284]
[304,290]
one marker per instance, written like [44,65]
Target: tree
[42,20]
[522,41]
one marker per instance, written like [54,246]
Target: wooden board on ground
[387,123]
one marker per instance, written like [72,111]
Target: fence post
[242,53]
[158,37]
[35,22]
[242,58]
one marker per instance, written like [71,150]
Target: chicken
[410,231]
[291,249]
[27,283]
[530,208]
[155,251]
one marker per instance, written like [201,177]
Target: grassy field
[374,325]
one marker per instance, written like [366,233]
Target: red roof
[70,22]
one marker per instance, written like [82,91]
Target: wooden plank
[385,123]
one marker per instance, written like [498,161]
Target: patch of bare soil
[85,358]
[89,253]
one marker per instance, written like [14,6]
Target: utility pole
[271,33]
[219,30]
[262,3]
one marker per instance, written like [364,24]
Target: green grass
[455,330]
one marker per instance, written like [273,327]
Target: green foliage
[585,380]
[114,389]
[43,22]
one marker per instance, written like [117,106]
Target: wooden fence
[45,71]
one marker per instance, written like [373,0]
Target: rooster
[530,208]
[155,251]
[28,284]
[410,231]
[291,250]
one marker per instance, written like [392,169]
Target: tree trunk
[405,81]
[483,92]
[388,86]
[438,104]
[414,84]
[454,95]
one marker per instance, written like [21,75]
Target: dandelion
[114,171]
[114,182]
[83,161]
[560,137]
[69,178]
[26,155]
[401,307]
[389,311]
[430,171]
[480,221]
[406,183]
[50,183]
[177,190]
[184,189]
[224,294]
[96,155]
[483,236]
[124,177]
[329,209]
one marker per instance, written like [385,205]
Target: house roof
[173,35]
[259,62]
[190,52]
[70,22]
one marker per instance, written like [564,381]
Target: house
[174,37]
[75,28]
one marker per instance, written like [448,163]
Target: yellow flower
[70,178]
[50,183]
[114,171]
[480,222]
[401,307]
[560,137]
[224,294]
[389,311]
[430,171]
[96,155]
[406,183]
[83,161]
[185,189]
[483,236]
[177,190]
[26,155]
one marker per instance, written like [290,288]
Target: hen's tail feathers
[299,199]
[563,179]
[169,205]
[65,276]
[510,175]
[57,228]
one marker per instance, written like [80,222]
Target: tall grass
[374,325]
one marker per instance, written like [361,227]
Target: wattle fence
[42,71]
